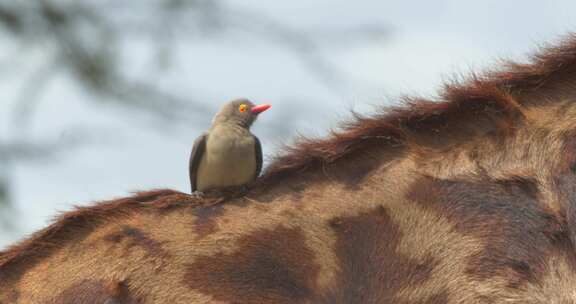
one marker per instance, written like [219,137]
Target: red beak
[260,108]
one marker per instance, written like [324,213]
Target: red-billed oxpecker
[228,154]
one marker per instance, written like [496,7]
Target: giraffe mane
[491,97]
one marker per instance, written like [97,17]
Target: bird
[228,154]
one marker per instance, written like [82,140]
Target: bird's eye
[243,108]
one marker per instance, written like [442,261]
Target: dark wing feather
[197,152]
[258,152]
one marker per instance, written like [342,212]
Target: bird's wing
[258,152]
[195,157]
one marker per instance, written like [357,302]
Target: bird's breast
[229,160]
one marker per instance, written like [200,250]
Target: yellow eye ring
[243,108]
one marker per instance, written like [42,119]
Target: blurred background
[99,98]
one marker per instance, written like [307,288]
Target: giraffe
[470,198]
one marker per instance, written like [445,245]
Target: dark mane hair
[490,102]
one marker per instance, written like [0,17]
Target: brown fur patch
[520,184]
[12,296]
[97,292]
[565,184]
[517,231]
[371,269]
[439,298]
[136,237]
[123,295]
[269,266]
[204,223]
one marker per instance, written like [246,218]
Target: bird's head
[241,112]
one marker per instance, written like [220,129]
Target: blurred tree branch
[84,39]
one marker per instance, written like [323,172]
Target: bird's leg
[198,194]
[226,192]
[234,191]
[244,189]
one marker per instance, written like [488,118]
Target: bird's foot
[243,189]
[226,192]
[208,197]
[214,196]
[198,194]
